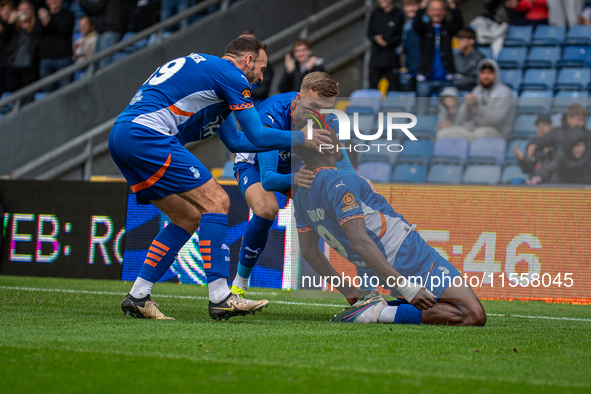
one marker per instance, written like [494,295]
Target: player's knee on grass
[476,316]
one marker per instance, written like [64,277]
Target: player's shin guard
[253,244]
[160,257]
[213,233]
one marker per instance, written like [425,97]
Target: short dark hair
[242,45]
[487,66]
[247,33]
[309,155]
[576,109]
[300,42]
[466,32]
[5,3]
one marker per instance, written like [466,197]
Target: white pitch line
[276,302]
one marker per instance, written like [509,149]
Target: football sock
[213,235]
[402,314]
[160,257]
[253,243]
[218,290]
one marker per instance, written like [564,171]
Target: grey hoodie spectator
[489,110]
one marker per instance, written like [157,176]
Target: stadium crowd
[427,47]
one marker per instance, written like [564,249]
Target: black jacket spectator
[262,89]
[107,14]
[292,81]
[389,25]
[56,37]
[565,166]
[424,28]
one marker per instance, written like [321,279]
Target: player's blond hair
[321,83]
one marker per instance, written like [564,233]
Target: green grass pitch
[78,341]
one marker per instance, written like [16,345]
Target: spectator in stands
[448,108]
[535,12]
[436,67]
[532,164]
[385,33]
[571,163]
[466,60]
[172,7]
[24,34]
[299,64]
[499,11]
[107,14]
[84,46]
[260,90]
[564,12]
[411,43]
[146,14]
[6,8]
[574,120]
[55,48]
[488,111]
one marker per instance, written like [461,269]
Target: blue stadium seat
[564,98]
[367,124]
[578,35]
[543,57]
[445,173]
[509,155]
[512,57]
[588,124]
[482,174]
[373,154]
[369,100]
[452,148]
[539,79]
[534,101]
[549,35]
[575,56]
[409,172]
[228,170]
[40,95]
[525,124]
[375,171]
[513,174]
[573,79]
[399,101]
[420,148]
[426,123]
[512,78]
[487,150]
[519,36]
[486,51]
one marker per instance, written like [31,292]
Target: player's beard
[250,76]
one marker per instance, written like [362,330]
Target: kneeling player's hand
[319,137]
[303,178]
[423,300]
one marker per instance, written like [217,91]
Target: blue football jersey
[189,97]
[337,196]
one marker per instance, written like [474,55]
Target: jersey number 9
[166,71]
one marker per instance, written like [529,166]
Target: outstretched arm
[235,140]
[271,180]
[264,137]
[368,251]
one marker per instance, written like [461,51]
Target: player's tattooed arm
[318,261]
[369,252]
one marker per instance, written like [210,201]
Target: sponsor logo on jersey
[349,201]
[272,120]
[246,94]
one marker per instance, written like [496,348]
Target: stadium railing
[90,64]
[82,149]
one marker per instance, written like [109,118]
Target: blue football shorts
[154,165]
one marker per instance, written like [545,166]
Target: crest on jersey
[195,172]
[246,94]
[137,98]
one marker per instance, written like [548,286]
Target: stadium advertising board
[63,229]
[516,243]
